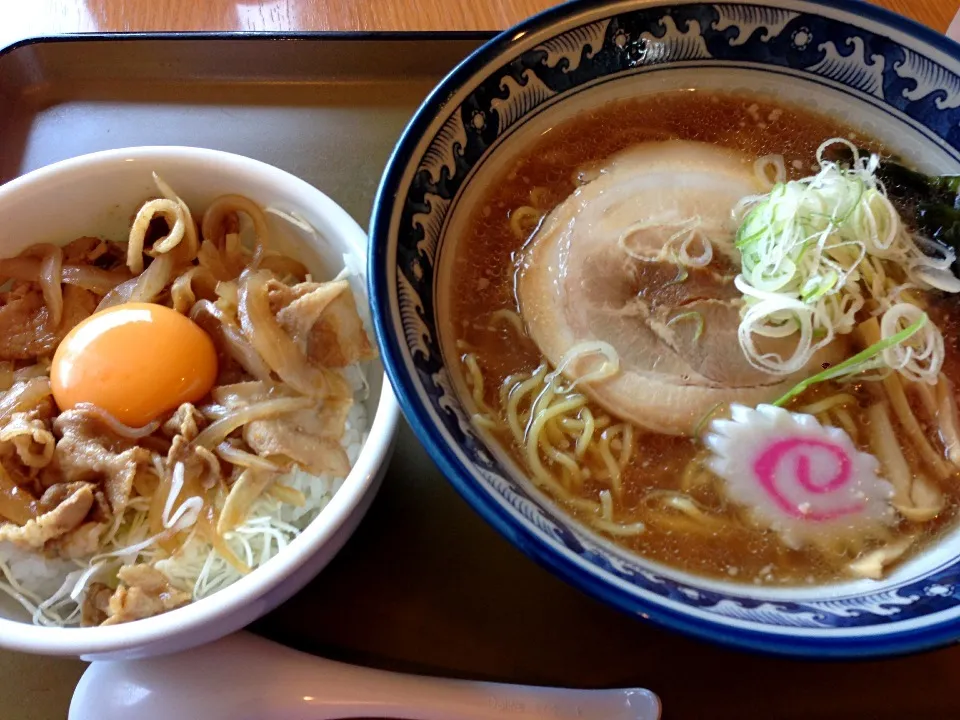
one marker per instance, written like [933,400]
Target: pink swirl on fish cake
[769,463]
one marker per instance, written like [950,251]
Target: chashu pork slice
[602,267]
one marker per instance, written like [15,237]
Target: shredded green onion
[692,315]
[707,417]
[863,361]
[814,251]
[682,275]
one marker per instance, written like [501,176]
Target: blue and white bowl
[896,80]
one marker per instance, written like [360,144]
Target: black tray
[424,585]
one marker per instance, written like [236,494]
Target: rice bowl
[286,540]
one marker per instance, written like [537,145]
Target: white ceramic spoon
[244,677]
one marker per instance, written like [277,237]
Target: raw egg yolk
[136,361]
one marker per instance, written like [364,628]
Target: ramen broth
[723,543]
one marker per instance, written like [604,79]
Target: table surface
[24,18]
[33,688]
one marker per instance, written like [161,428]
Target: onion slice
[277,349]
[217,432]
[117,427]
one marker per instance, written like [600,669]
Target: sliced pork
[642,257]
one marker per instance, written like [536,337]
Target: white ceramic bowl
[97,195]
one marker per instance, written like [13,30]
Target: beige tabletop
[34,688]
[23,18]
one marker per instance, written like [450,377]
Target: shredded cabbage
[816,251]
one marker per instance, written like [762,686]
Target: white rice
[30,576]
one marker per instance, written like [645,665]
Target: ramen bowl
[897,81]
[97,195]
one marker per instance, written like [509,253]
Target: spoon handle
[244,677]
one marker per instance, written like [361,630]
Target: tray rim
[250,35]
